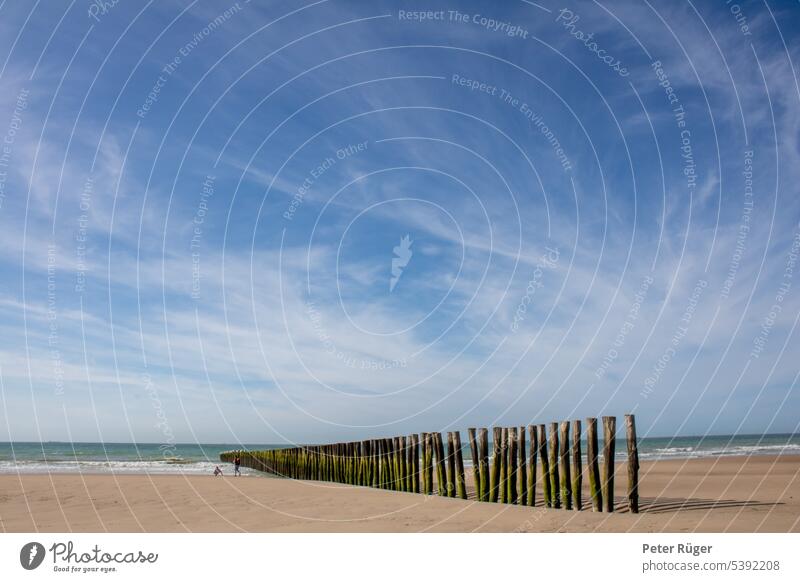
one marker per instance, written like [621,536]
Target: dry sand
[737,494]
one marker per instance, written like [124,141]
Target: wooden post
[363,461]
[403,460]
[566,477]
[401,463]
[386,473]
[415,462]
[397,467]
[577,466]
[427,463]
[544,461]
[441,464]
[381,459]
[592,467]
[410,464]
[555,488]
[373,469]
[504,466]
[346,453]
[359,459]
[476,463]
[483,459]
[368,463]
[356,463]
[512,465]
[461,483]
[451,465]
[497,446]
[609,443]
[633,464]
[395,448]
[424,465]
[534,450]
[376,472]
[523,471]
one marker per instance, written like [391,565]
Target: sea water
[58,457]
[55,457]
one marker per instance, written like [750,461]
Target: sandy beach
[724,494]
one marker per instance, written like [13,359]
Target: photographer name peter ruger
[692,549]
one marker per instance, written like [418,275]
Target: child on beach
[217,471]
[236,462]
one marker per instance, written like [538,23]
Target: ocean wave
[674,450]
[163,467]
[724,451]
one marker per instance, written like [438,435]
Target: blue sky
[203,204]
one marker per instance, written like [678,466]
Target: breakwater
[428,463]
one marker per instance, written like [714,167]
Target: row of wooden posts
[394,463]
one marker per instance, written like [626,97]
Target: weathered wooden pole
[523,471]
[577,467]
[512,464]
[497,446]
[354,447]
[342,462]
[397,480]
[382,472]
[368,463]
[362,463]
[353,451]
[404,471]
[427,469]
[504,466]
[633,464]
[483,459]
[545,463]
[555,487]
[534,450]
[592,466]
[372,480]
[461,483]
[345,462]
[410,463]
[345,467]
[393,468]
[383,460]
[358,462]
[415,461]
[431,446]
[476,464]
[369,470]
[441,464]
[451,465]
[609,444]
[566,477]
[405,442]
[392,448]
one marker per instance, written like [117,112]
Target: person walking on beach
[236,462]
